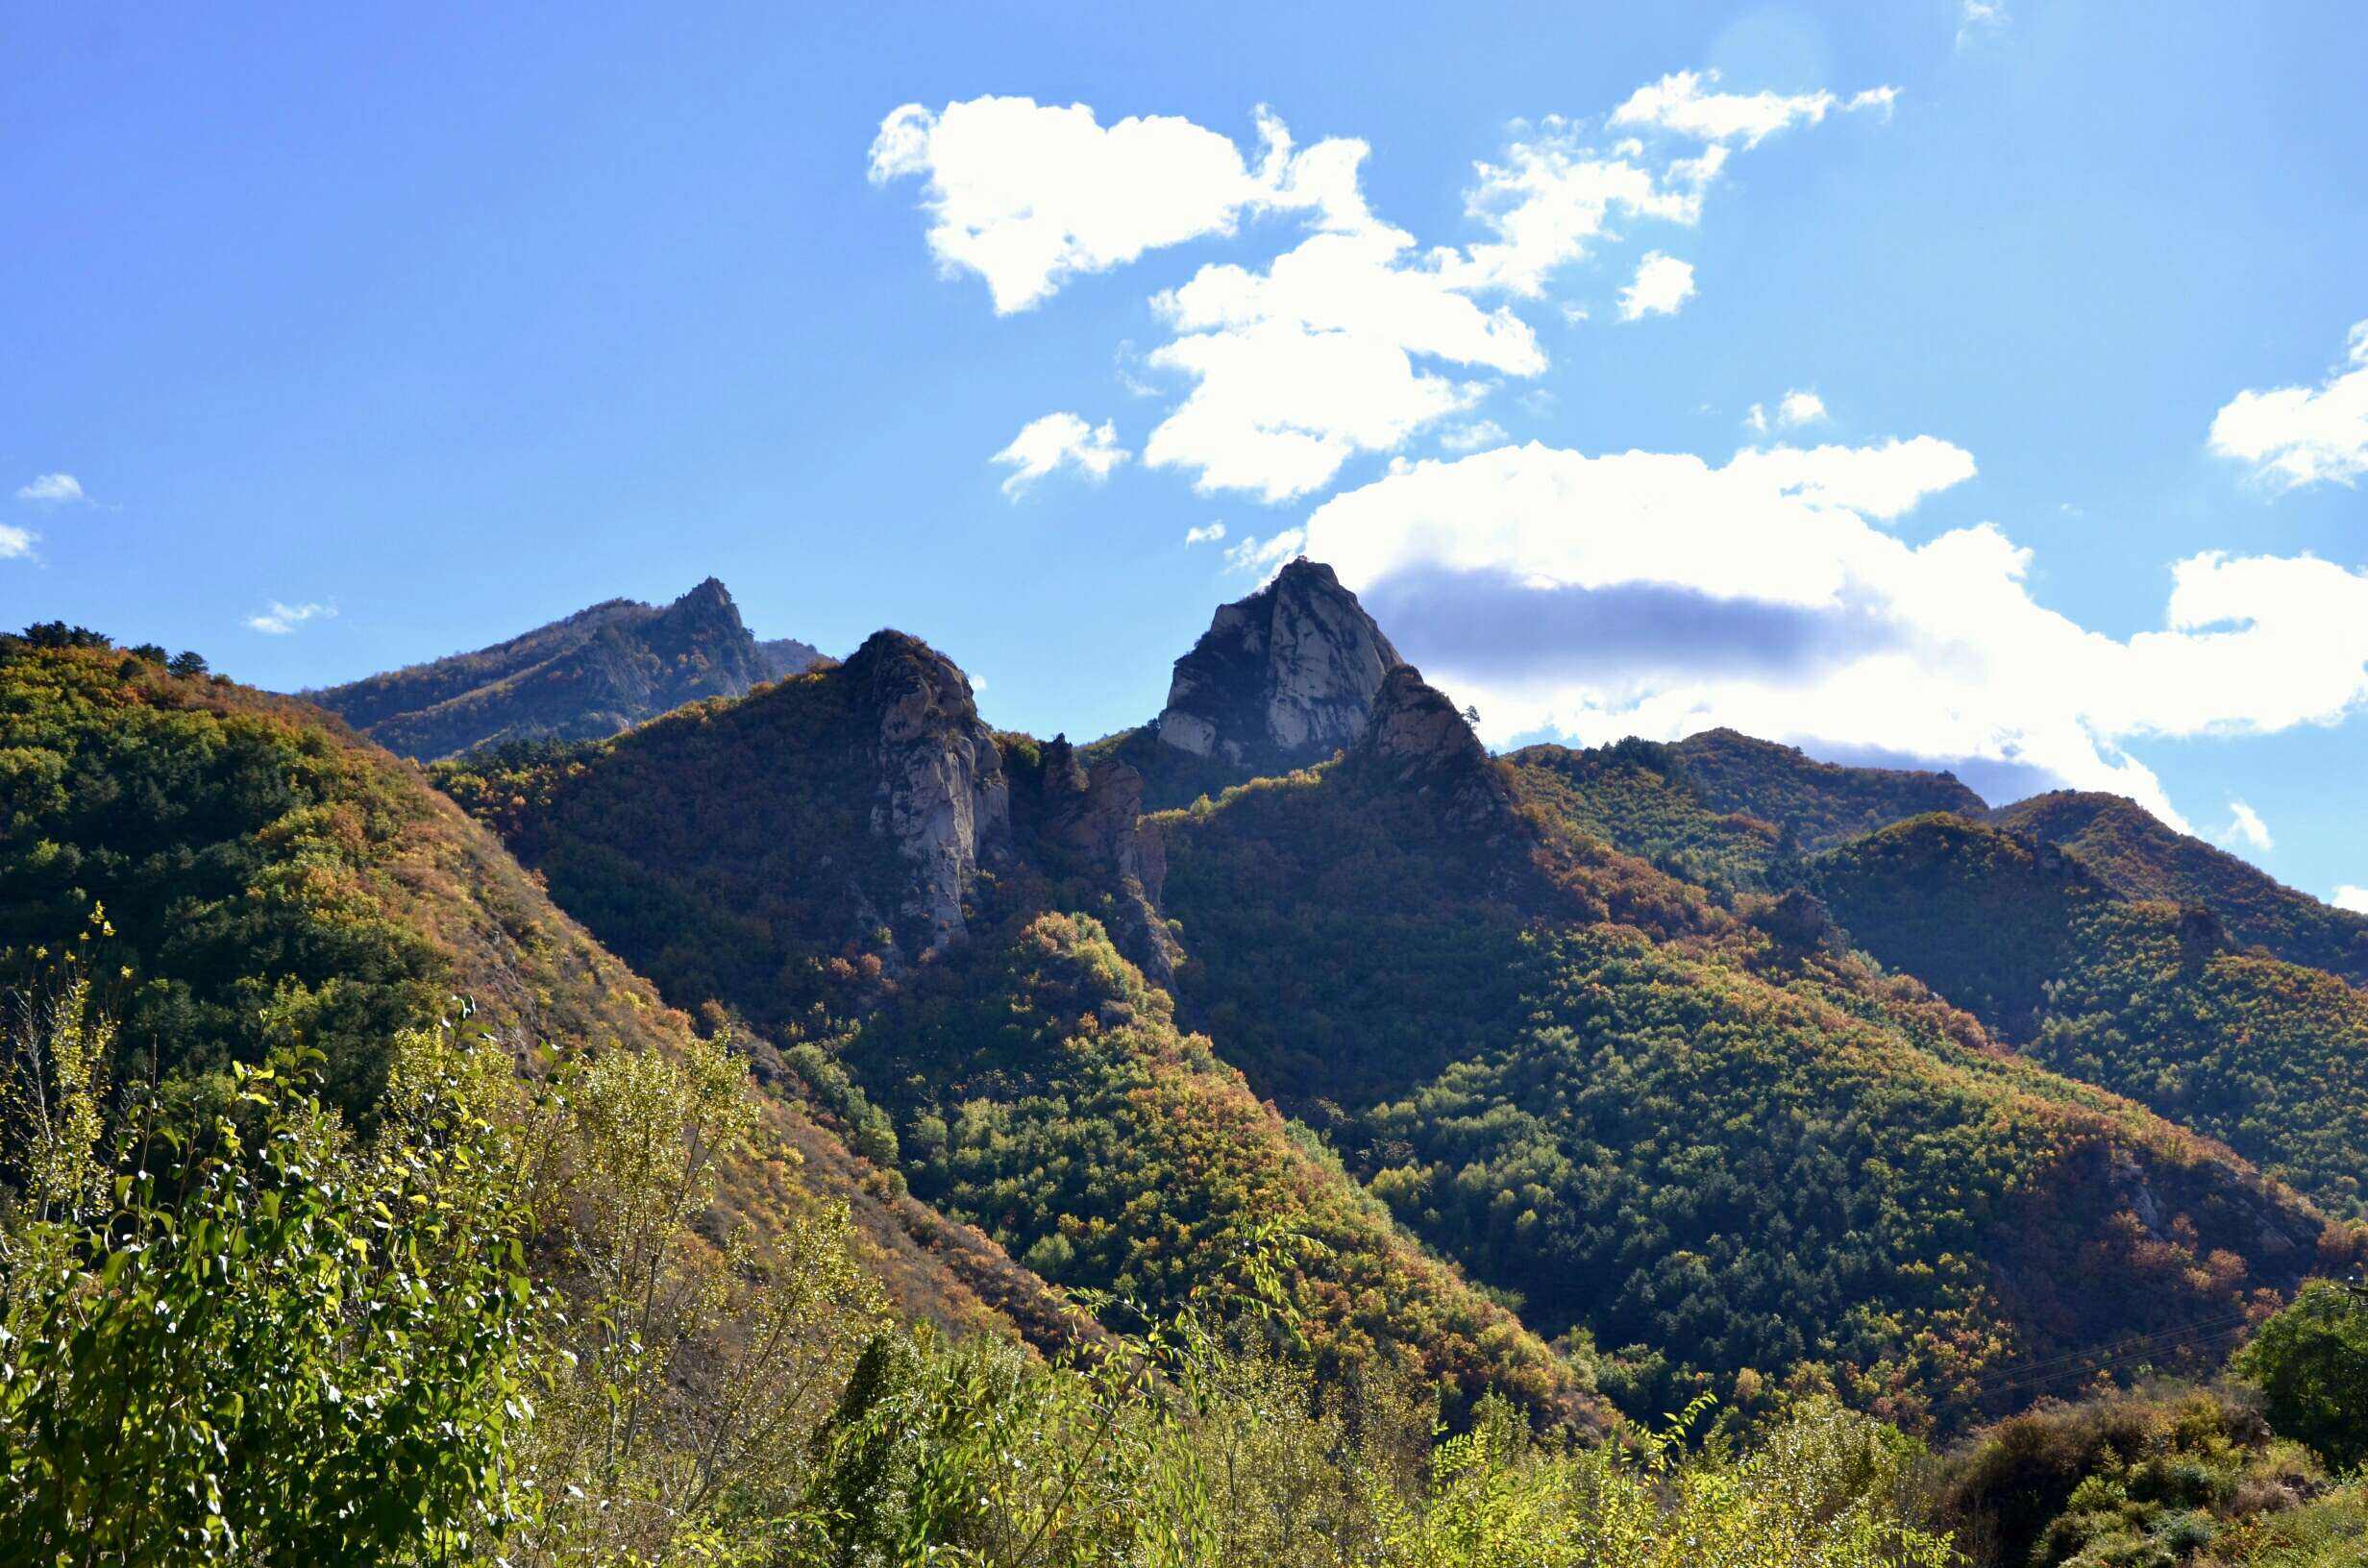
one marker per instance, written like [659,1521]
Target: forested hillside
[1402,1121]
[2138,855]
[1709,1143]
[846,861]
[593,673]
[2153,999]
[1673,1120]
[244,879]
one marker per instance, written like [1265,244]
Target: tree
[2311,1364]
[188,662]
[296,1348]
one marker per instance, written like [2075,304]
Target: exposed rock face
[1417,737]
[943,798]
[1282,678]
[1096,817]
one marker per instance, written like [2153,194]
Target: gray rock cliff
[942,797]
[1282,678]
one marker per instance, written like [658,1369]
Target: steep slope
[849,863]
[2153,999]
[1282,678]
[1707,1142]
[593,673]
[2136,854]
[270,880]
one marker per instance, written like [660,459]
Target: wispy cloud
[1976,18]
[52,490]
[1061,440]
[1796,408]
[280,619]
[2246,827]
[15,543]
[1207,534]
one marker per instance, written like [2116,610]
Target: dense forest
[1656,1155]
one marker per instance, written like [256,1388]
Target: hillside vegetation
[255,881]
[1720,1151]
[1025,1080]
[2151,1000]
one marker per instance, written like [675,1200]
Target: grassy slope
[270,877]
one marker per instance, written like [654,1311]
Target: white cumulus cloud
[2246,827]
[52,490]
[1028,195]
[1657,594]
[16,543]
[1206,533]
[1059,440]
[2299,435]
[1356,337]
[280,619]
[1661,284]
[2351,897]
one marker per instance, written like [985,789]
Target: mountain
[851,865]
[1671,1123]
[1283,678]
[593,673]
[267,879]
[2135,854]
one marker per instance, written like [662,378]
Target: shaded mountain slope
[593,673]
[2153,999]
[2136,854]
[848,861]
[269,880]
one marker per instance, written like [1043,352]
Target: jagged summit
[1281,678]
[588,676]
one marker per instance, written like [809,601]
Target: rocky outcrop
[1093,816]
[1418,740]
[1282,678]
[942,797]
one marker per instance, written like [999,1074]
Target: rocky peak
[1418,739]
[942,797]
[1281,678]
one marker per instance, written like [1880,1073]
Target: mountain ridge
[594,673]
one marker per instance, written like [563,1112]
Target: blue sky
[341,337]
